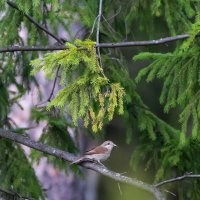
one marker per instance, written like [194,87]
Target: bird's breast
[99,157]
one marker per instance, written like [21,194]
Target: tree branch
[102,45]
[153,189]
[15,195]
[145,42]
[54,84]
[99,21]
[185,176]
[31,48]
[13,5]
[89,165]
[97,36]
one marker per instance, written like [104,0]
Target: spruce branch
[101,45]
[89,165]
[13,5]
[14,194]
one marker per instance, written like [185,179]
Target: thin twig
[185,176]
[101,45]
[120,191]
[89,165]
[167,191]
[111,28]
[97,35]
[79,31]
[94,23]
[13,5]
[99,21]
[54,84]
[117,13]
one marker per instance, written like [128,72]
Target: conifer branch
[89,165]
[13,5]
[14,194]
[47,32]
[101,45]
[172,180]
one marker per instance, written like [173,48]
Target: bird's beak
[115,145]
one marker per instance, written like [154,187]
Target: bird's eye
[108,143]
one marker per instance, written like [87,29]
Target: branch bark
[97,36]
[89,165]
[102,45]
[172,180]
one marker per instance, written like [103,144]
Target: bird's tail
[78,160]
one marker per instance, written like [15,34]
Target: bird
[98,154]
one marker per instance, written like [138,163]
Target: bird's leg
[98,162]
[95,161]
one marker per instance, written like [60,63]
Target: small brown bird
[98,154]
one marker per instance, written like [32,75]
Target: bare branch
[94,23]
[99,21]
[97,35]
[145,42]
[117,12]
[31,48]
[185,176]
[89,165]
[54,84]
[36,145]
[102,45]
[13,5]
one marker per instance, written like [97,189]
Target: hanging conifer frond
[87,93]
[24,180]
[180,72]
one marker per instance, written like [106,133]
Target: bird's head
[109,145]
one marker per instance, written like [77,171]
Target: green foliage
[170,12]
[161,149]
[170,161]
[180,73]
[24,180]
[55,134]
[173,153]
[86,92]
[137,116]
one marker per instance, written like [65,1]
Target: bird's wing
[78,160]
[97,150]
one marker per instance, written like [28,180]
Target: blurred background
[121,21]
